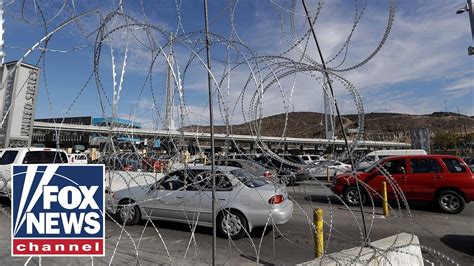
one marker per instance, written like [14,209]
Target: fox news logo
[57,210]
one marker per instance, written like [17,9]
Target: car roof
[208,167]
[423,156]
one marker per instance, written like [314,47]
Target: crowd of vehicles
[253,189]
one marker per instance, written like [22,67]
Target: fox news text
[57,210]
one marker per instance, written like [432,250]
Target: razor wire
[259,76]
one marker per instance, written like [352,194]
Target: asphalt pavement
[443,238]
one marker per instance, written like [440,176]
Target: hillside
[383,125]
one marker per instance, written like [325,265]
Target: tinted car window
[253,166]
[8,157]
[173,181]
[424,166]
[293,159]
[276,163]
[222,181]
[188,180]
[395,166]
[231,164]
[37,157]
[248,179]
[261,160]
[434,166]
[454,166]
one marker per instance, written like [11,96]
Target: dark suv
[443,179]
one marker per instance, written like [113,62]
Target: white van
[26,156]
[311,158]
[374,156]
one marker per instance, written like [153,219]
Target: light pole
[469,8]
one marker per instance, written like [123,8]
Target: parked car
[249,166]
[470,162]
[156,163]
[288,172]
[442,179]
[293,158]
[184,196]
[240,156]
[310,158]
[375,156]
[30,155]
[124,162]
[329,168]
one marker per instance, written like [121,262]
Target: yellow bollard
[318,233]
[327,174]
[385,198]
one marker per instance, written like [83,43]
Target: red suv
[443,179]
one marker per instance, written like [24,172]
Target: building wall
[18,103]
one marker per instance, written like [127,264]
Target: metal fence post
[318,233]
[385,198]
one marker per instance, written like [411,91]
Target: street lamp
[469,8]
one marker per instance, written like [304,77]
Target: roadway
[439,234]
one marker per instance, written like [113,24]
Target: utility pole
[2,54]
[211,125]
[328,118]
[469,7]
[169,117]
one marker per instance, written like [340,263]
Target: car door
[396,170]
[8,158]
[166,198]
[423,176]
[198,204]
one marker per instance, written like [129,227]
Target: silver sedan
[243,201]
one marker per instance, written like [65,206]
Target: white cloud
[426,48]
[461,84]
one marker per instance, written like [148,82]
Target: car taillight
[277,199]
[267,174]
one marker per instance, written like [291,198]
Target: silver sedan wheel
[450,202]
[231,224]
[127,213]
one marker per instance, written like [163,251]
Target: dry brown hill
[311,124]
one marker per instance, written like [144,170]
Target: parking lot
[164,242]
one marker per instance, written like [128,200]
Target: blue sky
[422,65]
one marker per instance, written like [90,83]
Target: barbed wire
[243,79]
